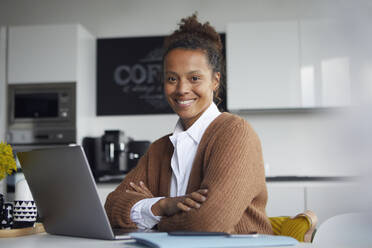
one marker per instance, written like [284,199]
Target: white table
[48,241]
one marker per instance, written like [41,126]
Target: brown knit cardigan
[228,163]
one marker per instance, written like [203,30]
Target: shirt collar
[197,129]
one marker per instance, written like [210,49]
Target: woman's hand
[193,200]
[172,205]
[140,189]
[166,206]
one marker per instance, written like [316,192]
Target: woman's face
[189,83]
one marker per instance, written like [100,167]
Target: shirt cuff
[142,215]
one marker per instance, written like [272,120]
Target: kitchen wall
[295,143]
[2,83]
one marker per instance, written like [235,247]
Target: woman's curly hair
[194,35]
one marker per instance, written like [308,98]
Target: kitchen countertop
[270,179]
[307,178]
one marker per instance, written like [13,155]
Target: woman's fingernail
[131,184]
[197,205]
[141,182]
[203,198]
[127,191]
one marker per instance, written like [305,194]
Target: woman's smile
[185,103]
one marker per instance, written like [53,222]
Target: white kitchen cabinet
[42,54]
[46,53]
[291,64]
[325,62]
[325,198]
[285,199]
[262,65]
[330,199]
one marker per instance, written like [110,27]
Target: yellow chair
[301,227]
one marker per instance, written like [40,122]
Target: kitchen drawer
[287,200]
[334,199]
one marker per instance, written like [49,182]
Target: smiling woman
[207,175]
[189,83]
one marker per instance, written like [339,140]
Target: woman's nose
[183,87]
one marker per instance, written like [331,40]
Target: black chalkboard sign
[129,76]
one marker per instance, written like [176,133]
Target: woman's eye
[195,78]
[171,79]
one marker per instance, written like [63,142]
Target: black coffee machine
[113,154]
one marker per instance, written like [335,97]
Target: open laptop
[65,193]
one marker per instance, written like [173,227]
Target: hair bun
[191,26]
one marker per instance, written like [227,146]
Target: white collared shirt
[185,145]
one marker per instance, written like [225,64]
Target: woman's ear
[216,80]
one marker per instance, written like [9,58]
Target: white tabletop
[47,241]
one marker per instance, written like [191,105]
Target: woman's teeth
[185,102]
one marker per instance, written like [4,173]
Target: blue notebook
[163,240]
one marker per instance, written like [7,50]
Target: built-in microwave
[42,113]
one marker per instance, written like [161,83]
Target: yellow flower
[7,162]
